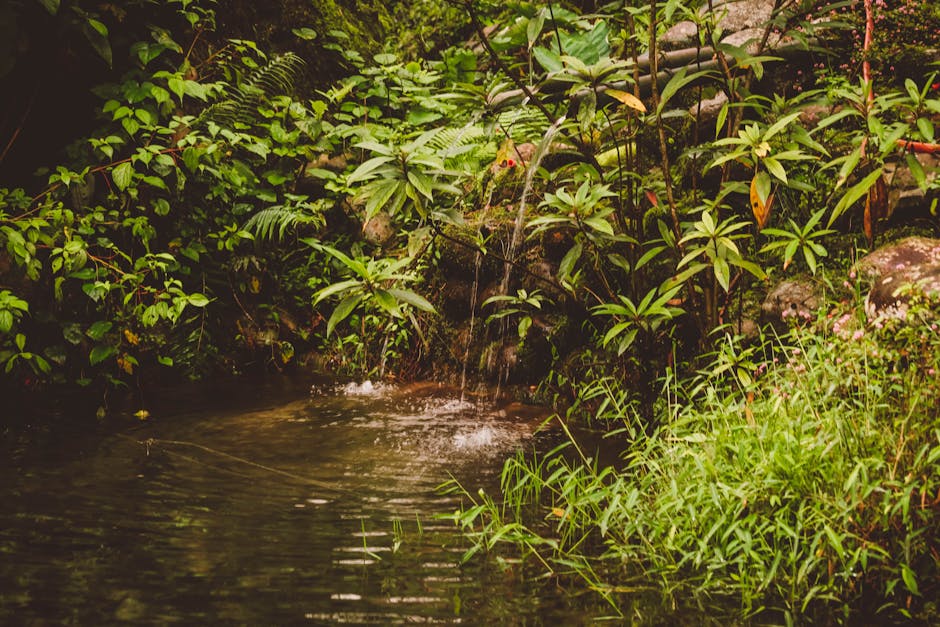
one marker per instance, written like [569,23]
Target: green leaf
[853,194]
[342,311]
[101,352]
[197,300]
[774,167]
[781,124]
[926,129]
[413,299]
[548,59]
[599,224]
[97,35]
[305,33]
[123,174]
[98,329]
[365,170]
[917,171]
[52,6]
[910,579]
[387,302]
[422,183]
[679,80]
[335,288]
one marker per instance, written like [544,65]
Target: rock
[901,269]
[734,16]
[789,299]
[903,191]
[681,34]
[708,109]
[379,229]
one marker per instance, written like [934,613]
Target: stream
[266,506]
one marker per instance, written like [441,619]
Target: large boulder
[736,15]
[899,270]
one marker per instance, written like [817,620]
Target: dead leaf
[628,99]
[761,198]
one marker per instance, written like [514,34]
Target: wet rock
[791,299]
[900,270]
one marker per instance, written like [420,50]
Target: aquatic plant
[794,479]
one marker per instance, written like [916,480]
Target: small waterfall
[516,240]
[477,263]
[519,225]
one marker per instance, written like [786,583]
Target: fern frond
[273,223]
[275,78]
[524,124]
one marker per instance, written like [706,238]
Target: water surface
[272,509]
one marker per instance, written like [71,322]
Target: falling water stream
[262,507]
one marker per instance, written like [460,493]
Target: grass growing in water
[796,480]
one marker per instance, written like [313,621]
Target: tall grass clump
[794,479]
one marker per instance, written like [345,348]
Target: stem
[664,153]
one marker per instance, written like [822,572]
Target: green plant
[799,240]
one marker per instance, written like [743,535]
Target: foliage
[796,480]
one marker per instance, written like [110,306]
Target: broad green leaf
[422,183]
[335,288]
[387,302]
[98,329]
[101,352]
[599,224]
[123,174]
[926,129]
[198,300]
[679,80]
[365,170]
[413,299]
[853,194]
[342,311]
[305,33]
[97,35]
[774,167]
[548,59]
[781,124]
[910,579]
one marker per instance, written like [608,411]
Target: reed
[794,479]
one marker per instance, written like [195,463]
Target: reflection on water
[317,510]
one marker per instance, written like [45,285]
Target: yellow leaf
[759,206]
[628,99]
[125,365]
[557,511]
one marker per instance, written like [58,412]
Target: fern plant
[275,78]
